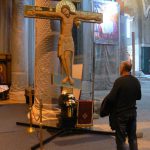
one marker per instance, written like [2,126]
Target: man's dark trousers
[126,127]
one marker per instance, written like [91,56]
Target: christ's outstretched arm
[93,17]
[46,14]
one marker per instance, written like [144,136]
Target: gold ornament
[65,2]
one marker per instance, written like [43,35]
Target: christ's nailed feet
[68,79]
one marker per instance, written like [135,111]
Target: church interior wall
[104,76]
[5,26]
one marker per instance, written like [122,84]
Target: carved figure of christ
[67,17]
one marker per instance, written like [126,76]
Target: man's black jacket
[122,98]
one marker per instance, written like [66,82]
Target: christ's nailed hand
[31,12]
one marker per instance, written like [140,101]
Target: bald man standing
[122,102]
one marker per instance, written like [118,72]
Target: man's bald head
[125,67]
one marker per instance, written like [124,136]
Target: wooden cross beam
[74,1]
[38,9]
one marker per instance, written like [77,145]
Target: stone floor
[143,120]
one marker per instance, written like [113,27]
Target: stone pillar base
[50,114]
[17,96]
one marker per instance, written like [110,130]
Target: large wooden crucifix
[66,12]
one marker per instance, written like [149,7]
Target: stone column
[46,62]
[19,53]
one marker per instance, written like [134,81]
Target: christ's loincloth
[65,43]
